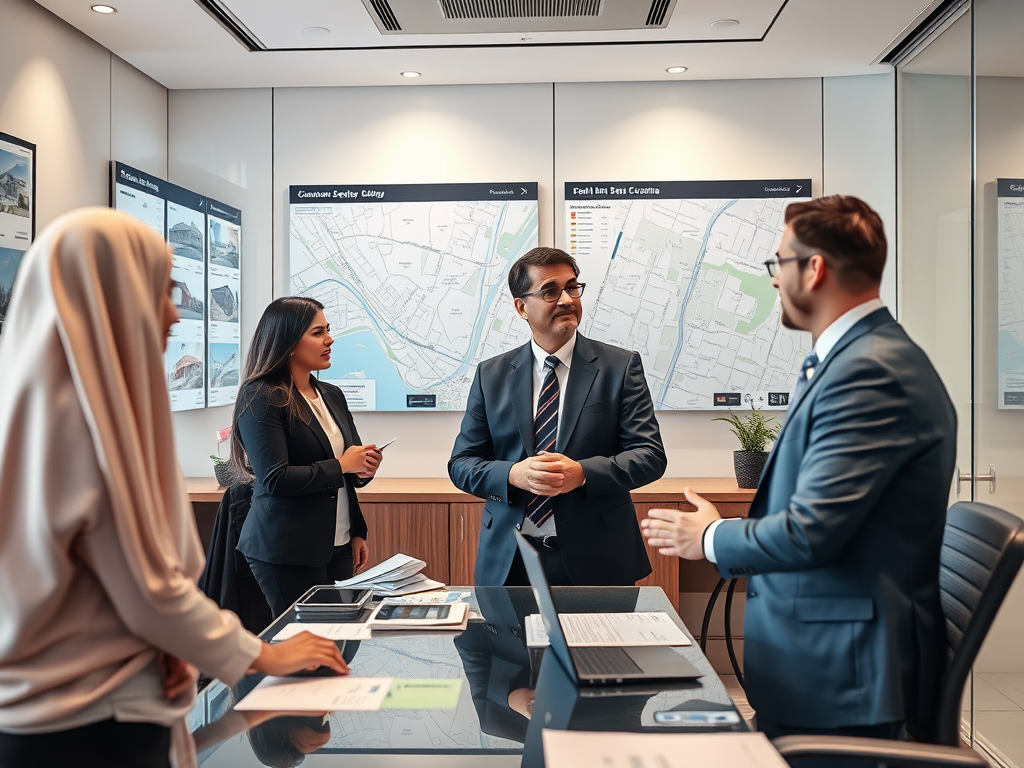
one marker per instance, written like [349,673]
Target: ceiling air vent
[518,9]
[467,17]
[385,15]
[656,16]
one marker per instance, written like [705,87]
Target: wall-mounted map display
[205,237]
[414,281]
[675,270]
[224,290]
[1010,239]
[17,210]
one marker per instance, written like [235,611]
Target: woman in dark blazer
[297,436]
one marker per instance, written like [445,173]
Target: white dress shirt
[822,347]
[342,522]
[564,354]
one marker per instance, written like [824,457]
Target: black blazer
[295,494]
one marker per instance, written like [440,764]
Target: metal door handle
[967,478]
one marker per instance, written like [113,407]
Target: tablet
[333,599]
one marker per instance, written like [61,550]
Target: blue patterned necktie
[804,378]
[545,430]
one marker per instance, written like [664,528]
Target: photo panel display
[223,299]
[186,222]
[140,195]
[414,280]
[17,211]
[675,270]
[1010,242]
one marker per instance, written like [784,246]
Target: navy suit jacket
[841,549]
[298,479]
[607,425]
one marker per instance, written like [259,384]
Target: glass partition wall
[960,128]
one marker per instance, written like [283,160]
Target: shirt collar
[839,327]
[564,354]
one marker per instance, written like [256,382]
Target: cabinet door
[464,536]
[664,569]
[417,530]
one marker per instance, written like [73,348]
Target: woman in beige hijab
[100,618]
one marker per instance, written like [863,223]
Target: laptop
[600,666]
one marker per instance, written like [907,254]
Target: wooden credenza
[431,519]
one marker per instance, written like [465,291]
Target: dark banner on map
[1010,187]
[686,190]
[410,193]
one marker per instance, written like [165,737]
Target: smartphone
[392,612]
[389,442]
[698,718]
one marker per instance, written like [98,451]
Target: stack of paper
[398,575]
[582,749]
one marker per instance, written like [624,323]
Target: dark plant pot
[748,466]
[224,475]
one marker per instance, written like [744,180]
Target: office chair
[982,550]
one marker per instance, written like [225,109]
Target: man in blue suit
[556,434]
[844,633]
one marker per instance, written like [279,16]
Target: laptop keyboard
[604,662]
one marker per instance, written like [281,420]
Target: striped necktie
[545,430]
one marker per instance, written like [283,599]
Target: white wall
[220,145]
[550,133]
[79,104]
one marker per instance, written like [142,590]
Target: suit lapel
[869,323]
[582,373]
[314,422]
[520,393]
[337,411]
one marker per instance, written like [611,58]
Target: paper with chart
[414,281]
[1010,239]
[605,630]
[317,694]
[675,270]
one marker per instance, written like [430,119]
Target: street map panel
[1010,231]
[675,271]
[414,280]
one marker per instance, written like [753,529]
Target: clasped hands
[361,460]
[679,532]
[547,474]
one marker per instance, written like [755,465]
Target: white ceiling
[180,45]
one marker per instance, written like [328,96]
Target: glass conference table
[509,694]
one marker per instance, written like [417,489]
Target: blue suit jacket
[607,425]
[841,549]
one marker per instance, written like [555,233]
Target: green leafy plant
[754,431]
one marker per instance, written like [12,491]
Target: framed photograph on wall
[17,210]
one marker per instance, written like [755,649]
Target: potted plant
[221,468]
[754,433]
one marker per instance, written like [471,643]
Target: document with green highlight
[408,693]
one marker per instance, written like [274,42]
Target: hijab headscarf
[85,439]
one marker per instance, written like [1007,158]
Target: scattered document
[583,749]
[317,694]
[536,635]
[431,617]
[344,631]
[431,598]
[424,694]
[603,630]
[398,575]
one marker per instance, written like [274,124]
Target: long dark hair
[283,323]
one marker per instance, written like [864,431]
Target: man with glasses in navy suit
[843,633]
[556,434]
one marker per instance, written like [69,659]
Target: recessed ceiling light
[410,73]
[676,70]
[316,31]
[725,23]
[104,9]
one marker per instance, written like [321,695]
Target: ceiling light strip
[230,22]
[911,41]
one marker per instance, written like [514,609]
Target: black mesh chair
[982,550]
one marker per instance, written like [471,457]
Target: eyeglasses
[551,295]
[772,265]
